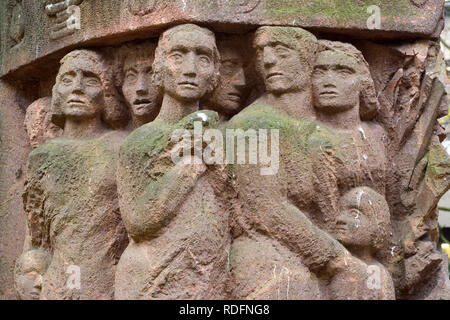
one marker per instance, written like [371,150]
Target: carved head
[364,220]
[38,122]
[28,273]
[187,62]
[135,79]
[342,81]
[84,89]
[231,91]
[284,58]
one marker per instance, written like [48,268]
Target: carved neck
[136,122]
[346,120]
[173,110]
[363,253]
[83,128]
[296,104]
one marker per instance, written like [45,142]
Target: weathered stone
[116,20]
[237,157]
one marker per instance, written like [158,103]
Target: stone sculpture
[231,92]
[345,151]
[135,79]
[70,195]
[29,272]
[177,225]
[271,234]
[148,176]
[38,122]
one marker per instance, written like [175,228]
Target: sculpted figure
[268,234]
[362,226]
[138,88]
[228,98]
[70,195]
[29,272]
[177,224]
[345,151]
[38,122]
[275,233]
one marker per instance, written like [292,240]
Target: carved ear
[368,100]
[56,115]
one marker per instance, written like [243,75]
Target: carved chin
[142,109]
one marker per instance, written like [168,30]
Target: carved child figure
[138,88]
[228,98]
[70,195]
[362,226]
[177,225]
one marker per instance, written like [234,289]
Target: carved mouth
[188,84]
[139,102]
[341,227]
[329,93]
[274,74]
[234,96]
[77,101]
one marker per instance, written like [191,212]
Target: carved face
[189,65]
[336,86]
[29,279]
[80,89]
[354,227]
[138,88]
[228,97]
[280,65]
[38,122]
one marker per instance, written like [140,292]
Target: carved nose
[189,66]
[38,282]
[342,220]
[77,86]
[141,86]
[269,57]
[239,81]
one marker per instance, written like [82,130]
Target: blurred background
[444,204]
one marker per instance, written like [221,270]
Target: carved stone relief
[17,23]
[122,204]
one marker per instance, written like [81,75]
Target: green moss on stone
[344,10]
[438,162]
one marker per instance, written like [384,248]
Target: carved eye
[66,80]
[228,67]
[318,72]
[176,57]
[281,51]
[344,71]
[205,60]
[130,77]
[92,82]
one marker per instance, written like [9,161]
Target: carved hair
[140,52]
[114,113]
[373,205]
[368,96]
[161,54]
[295,38]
